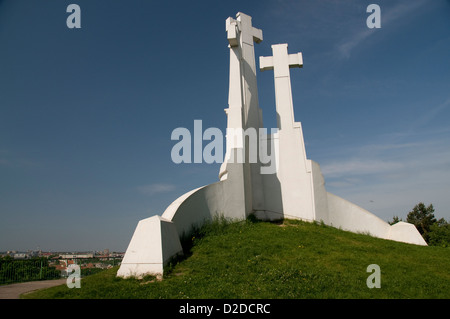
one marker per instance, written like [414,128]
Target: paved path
[14,291]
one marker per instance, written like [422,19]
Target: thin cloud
[346,47]
[388,16]
[153,189]
[359,167]
[407,159]
[371,149]
[390,179]
[431,113]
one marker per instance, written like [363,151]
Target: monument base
[154,244]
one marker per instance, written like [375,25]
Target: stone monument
[295,189]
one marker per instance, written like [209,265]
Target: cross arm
[295,60]
[281,61]
[265,63]
[257,35]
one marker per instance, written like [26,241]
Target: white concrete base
[154,243]
[407,233]
[348,216]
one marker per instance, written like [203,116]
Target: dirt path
[14,291]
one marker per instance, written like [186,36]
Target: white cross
[243,26]
[281,61]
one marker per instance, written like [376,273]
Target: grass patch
[289,259]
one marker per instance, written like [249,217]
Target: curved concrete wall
[321,212]
[223,198]
[348,216]
[194,209]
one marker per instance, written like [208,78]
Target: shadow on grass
[217,226]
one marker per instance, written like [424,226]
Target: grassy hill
[290,259]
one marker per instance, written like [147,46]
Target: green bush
[440,235]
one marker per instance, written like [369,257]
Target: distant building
[75,256]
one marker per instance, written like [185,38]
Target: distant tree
[442,222]
[440,233]
[423,218]
[395,220]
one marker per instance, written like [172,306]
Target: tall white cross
[242,26]
[244,111]
[294,173]
[241,35]
[280,63]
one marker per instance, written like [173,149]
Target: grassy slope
[289,260]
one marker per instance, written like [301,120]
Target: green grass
[292,259]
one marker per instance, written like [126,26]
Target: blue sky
[86,114]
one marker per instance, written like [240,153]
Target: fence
[12,271]
[26,270]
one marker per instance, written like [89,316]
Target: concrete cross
[280,63]
[242,26]
[244,111]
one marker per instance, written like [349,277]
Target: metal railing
[12,271]
[22,270]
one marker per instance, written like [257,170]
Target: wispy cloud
[388,16]
[153,189]
[431,113]
[391,178]
[346,47]
[360,166]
